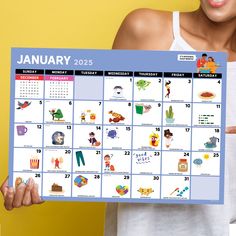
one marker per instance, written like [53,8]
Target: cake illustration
[56,188]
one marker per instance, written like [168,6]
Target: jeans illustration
[80,157]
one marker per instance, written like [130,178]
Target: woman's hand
[230,130]
[24,195]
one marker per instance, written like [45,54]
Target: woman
[211,28]
[211,65]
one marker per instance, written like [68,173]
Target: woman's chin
[219,17]
[219,13]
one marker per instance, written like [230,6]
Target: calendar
[119,125]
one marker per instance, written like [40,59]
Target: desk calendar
[119,125]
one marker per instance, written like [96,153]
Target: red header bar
[29,77]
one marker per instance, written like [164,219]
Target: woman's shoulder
[145,29]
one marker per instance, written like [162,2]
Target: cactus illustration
[170,115]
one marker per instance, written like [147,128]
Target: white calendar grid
[44,174]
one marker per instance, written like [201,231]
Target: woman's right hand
[23,195]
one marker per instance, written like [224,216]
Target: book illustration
[141,108]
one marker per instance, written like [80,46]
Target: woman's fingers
[24,194]
[230,130]
[8,194]
[35,195]
[27,196]
[19,195]
[8,199]
[4,187]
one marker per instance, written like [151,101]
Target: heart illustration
[122,190]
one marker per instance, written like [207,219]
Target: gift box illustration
[80,181]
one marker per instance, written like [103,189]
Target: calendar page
[119,125]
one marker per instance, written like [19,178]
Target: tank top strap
[176,26]
[178,43]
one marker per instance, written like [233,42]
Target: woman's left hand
[230,130]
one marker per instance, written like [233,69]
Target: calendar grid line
[43,152]
[118,101]
[125,125]
[102,152]
[132,140]
[121,174]
[161,174]
[126,149]
[73,128]
[191,148]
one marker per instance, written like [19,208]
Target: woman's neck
[210,35]
[221,34]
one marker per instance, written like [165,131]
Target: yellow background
[58,24]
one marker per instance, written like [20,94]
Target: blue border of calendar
[106,57]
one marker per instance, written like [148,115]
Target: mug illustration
[21,130]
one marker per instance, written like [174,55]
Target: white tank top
[183,220]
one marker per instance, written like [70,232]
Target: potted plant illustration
[170,115]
